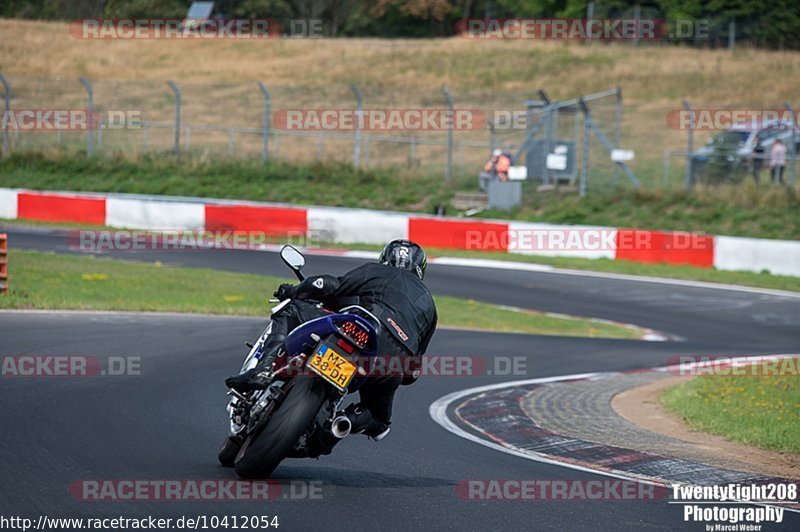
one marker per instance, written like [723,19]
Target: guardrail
[317,225]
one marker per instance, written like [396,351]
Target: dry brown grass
[648,74]
[654,79]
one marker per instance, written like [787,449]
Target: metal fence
[242,120]
[728,156]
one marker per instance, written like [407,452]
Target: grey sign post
[90,118]
[177,93]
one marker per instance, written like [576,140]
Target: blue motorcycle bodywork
[300,340]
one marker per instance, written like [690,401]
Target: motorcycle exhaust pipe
[341,426]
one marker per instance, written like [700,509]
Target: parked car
[727,155]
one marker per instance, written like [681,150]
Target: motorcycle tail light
[355,332]
[344,345]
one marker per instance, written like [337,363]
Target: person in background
[777,161]
[757,160]
[496,168]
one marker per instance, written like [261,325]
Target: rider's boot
[363,422]
[259,377]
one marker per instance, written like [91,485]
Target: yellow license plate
[332,367]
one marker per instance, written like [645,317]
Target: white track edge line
[438,412]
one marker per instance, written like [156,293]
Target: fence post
[618,117]
[637,15]
[689,180]
[793,144]
[357,135]
[589,17]
[543,97]
[7,98]
[265,122]
[731,34]
[576,134]
[448,170]
[3,263]
[412,152]
[548,145]
[584,157]
[90,125]
[492,137]
[177,94]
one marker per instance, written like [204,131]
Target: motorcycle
[298,414]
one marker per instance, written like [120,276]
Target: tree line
[772,24]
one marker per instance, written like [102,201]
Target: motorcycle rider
[392,289]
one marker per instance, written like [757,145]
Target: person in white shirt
[777,161]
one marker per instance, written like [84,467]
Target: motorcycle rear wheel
[259,457]
[228,451]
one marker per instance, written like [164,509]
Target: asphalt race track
[167,422]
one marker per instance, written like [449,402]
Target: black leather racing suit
[398,298]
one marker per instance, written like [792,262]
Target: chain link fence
[725,144]
[253,120]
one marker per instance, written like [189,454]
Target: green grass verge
[756,410]
[50,281]
[670,271]
[688,273]
[476,315]
[309,183]
[742,210]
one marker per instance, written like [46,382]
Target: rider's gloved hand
[285,291]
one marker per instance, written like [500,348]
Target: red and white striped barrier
[347,226]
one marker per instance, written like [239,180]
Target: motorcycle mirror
[293,258]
